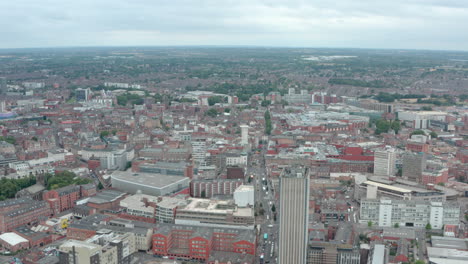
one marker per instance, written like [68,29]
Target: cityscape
[233,132]
[233,155]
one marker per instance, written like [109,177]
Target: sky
[394,24]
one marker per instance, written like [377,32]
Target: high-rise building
[3,85]
[384,162]
[413,165]
[293,216]
[82,94]
[244,134]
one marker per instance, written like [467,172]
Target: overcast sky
[411,24]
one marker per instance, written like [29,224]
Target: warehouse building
[148,183]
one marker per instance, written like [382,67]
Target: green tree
[426,108]
[369,224]
[433,134]
[8,139]
[203,194]
[211,112]
[273,208]
[214,100]
[428,226]
[100,186]
[227,110]
[266,103]
[104,134]
[396,225]
[268,126]
[417,132]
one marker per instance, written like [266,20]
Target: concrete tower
[244,134]
[293,216]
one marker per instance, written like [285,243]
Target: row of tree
[62,179]
[268,126]
[9,187]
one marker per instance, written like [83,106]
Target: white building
[384,162]
[421,119]
[386,212]
[199,151]
[244,134]
[244,196]
[234,159]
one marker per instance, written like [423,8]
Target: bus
[265,236]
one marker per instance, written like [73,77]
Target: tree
[203,194]
[214,100]
[273,208]
[369,224]
[428,226]
[433,134]
[396,225]
[227,110]
[104,134]
[426,108]
[419,262]
[268,126]
[100,186]
[417,132]
[266,103]
[212,112]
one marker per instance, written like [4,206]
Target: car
[270,225]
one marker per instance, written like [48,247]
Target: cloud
[414,24]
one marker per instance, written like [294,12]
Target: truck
[265,236]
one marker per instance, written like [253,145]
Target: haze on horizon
[397,24]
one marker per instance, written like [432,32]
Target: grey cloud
[419,24]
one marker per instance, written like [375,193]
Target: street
[265,220]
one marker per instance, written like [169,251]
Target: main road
[264,201]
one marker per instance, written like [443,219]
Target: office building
[413,166]
[384,162]
[244,134]
[207,244]
[3,85]
[205,212]
[386,212]
[293,215]
[82,95]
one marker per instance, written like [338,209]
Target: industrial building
[148,183]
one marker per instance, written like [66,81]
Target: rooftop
[12,238]
[106,196]
[155,180]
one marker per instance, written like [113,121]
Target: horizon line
[224,46]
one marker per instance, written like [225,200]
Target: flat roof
[12,238]
[147,179]
[379,254]
[449,242]
[386,186]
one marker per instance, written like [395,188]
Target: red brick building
[462,155]
[63,198]
[23,211]
[417,146]
[199,243]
